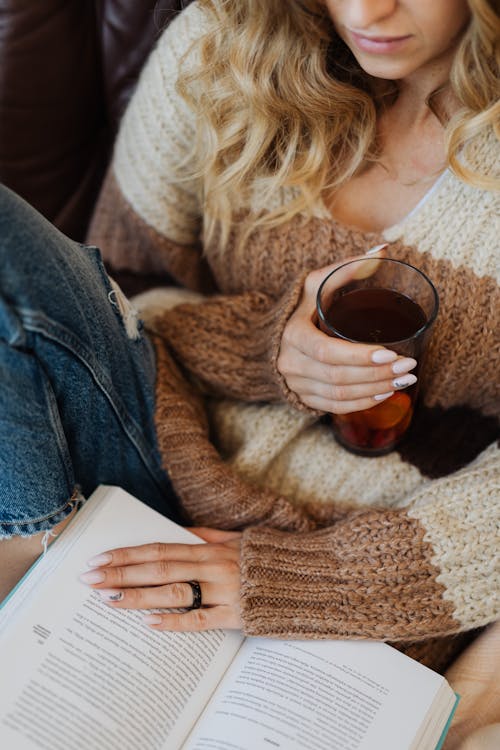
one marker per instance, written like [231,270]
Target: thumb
[346,273]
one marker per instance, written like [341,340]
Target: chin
[390,70]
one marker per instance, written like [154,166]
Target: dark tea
[382,316]
[375,316]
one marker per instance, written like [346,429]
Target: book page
[318,695]
[77,674]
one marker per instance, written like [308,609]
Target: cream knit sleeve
[148,218]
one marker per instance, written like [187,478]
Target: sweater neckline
[394,229]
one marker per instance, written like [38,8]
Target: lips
[378,44]
[380,39]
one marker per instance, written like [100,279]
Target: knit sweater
[403,547]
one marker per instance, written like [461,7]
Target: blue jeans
[77,393]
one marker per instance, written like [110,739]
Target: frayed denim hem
[47,523]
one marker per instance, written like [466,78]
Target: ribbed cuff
[368,576]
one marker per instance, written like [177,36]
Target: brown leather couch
[67,69]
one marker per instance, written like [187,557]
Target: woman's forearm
[427,570]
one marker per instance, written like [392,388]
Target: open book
[78,675]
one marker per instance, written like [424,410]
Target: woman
[299,134]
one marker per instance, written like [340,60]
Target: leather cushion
[67,68]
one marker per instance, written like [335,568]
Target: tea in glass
[394,305]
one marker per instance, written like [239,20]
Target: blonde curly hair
[282,103]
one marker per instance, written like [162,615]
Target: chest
[410,160]
[378,199]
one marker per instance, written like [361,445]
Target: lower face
[393,39]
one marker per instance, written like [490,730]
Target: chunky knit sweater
[403,547]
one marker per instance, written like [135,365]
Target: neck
[416,89]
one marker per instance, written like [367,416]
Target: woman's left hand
[156,576]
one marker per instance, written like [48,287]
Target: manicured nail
[382,356]
[405,381]
[111,595]
[98,560]
[152,619]
[377,249]
[383,396]
[93,576]
[403,365]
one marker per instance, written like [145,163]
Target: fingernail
[93,576]
[403,365]
[152,619]
[98,560]
[382,396]
[382,356]
[111,595]
[377,249]
[404,381]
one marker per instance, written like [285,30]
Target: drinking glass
[391,303]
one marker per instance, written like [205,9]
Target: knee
[15,215]
[32,250]
[31,263]
[26,237]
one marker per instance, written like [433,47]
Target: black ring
[196,589]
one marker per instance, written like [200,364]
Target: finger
[316,345]
[335,393]
[214,535]
[151,574]
[144,553]
[310,369]
[333,351]
[171,596]
[344,272]
[343,407]
[195,620]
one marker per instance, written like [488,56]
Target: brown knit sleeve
[328,570]
[230,343]
[211,493]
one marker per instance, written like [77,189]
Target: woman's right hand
[330,374]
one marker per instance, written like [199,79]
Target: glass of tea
[387,302]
